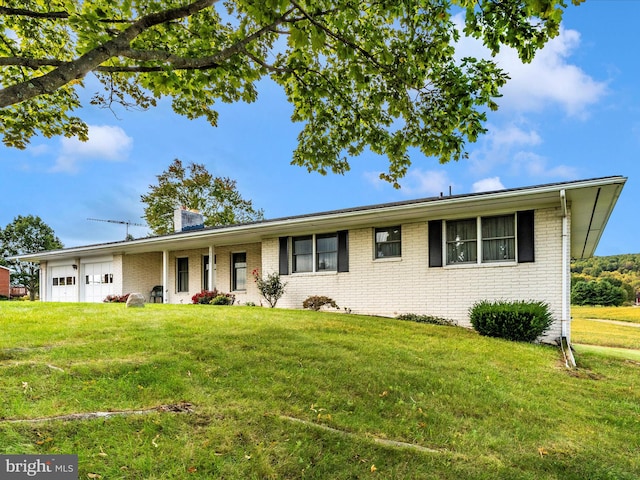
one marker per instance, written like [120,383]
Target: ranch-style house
[435,256]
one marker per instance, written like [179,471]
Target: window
[183,275]
[327,252]
[388,242]
[205,272]
[498,239]
[239,272]
[496,243]
[462,244]
[303,254]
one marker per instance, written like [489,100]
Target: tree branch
[62,75]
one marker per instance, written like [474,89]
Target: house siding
[394,286]
[5,288]
[223,271]
[141,272]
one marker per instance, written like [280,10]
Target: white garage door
[97,282]
[63,284]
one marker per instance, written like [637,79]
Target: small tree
[270,288]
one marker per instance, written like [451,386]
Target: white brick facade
[390,287]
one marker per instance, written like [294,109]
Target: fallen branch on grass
[381,441]
[182,407]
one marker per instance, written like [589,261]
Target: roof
[591,202]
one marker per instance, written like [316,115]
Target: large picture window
[326,252]
[182,283]
[496,242]
[239,274]
[388,242]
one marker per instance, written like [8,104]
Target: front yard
[198,391]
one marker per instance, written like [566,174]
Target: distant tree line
[611,280]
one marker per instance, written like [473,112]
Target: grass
[621,314]
[479,408]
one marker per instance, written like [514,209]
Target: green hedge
[518,321]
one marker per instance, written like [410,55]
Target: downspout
[565,340]
[165,276]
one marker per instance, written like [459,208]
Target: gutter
[565,340]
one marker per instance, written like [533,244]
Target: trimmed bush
[316,302]
[223,299]
[414,317]
[518,321]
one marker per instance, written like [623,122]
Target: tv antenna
[121,222]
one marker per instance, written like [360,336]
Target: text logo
[39,467]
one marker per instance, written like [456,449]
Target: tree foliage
[26,235]
[193,187]
[359,73]
[597,292]
[621,271]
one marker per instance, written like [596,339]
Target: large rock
[135,300]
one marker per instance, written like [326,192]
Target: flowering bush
[213,297]
[270,288]
[116,298]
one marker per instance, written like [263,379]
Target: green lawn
[621,314]
[281,394]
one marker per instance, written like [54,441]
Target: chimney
[185,220]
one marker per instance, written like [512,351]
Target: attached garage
[63,283]
[97,281]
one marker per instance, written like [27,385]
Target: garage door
[97,281]
[63,284]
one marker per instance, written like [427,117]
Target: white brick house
[435,256]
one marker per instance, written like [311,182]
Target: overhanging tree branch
[52,81]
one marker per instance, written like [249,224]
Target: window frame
[235,269]
[338,260]
[182,274]
[377,246]
[480,241]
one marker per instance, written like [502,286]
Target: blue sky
[573,113]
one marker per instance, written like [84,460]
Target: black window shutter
[284,256]
[435,243]
[343,251]
[526,239]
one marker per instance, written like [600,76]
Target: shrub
[223,299]
[414,317]
[204,297]
[316,302]
[116,298]
[270,288]
[518,321]
[213,297]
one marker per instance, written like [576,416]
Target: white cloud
[487,185]
[425,183]
[549,80]
[105,143]
[533,165]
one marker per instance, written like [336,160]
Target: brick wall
[140,273]
[223,271]
[407,285]
[4,282]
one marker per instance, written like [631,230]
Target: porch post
[212,266]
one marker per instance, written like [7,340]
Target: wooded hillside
[620,270]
